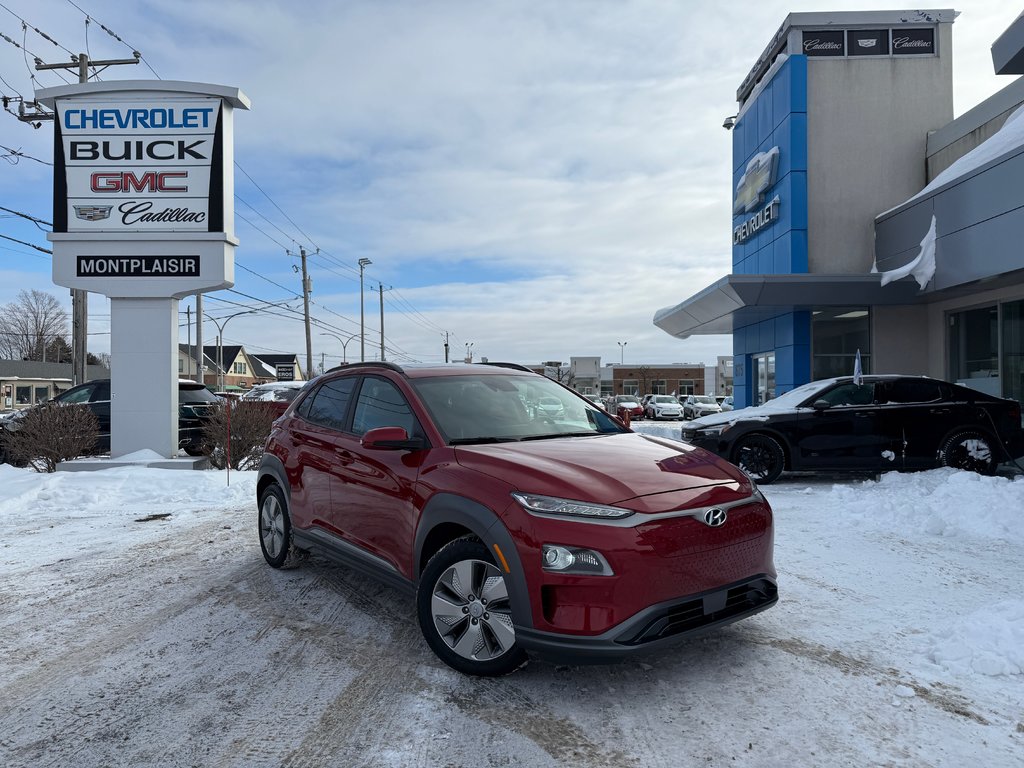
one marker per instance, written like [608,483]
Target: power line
[33,219]
[26,25]
[133,49]
[30,245]
[13,155]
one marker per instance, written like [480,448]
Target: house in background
[24,383]
[281,367]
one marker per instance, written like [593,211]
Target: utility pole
[446,346]
[79,297]
[305,307]
[362,314]
[381,288]
[200,355]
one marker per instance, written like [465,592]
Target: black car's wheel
[464,611]
[761,457]
[276,529]
[969,450]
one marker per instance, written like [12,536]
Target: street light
[469,352]
[344,343]
[362,317]
[220,337]
[622,348]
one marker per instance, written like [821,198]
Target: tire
[275,529]
[464,611]
[970,450]
[761,457]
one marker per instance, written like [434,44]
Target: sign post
[143,212]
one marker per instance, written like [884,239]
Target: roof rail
[513,366]
[369,364]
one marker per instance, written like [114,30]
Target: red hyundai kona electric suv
[521,530]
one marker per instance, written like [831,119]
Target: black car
[883,423]
[195,404]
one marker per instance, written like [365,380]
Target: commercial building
[867,220]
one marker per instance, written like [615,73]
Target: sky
[140,626]
[531,180]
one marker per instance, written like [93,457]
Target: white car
[700,405]
[663,407]
[727,404]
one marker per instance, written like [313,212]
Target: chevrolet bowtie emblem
[756,181]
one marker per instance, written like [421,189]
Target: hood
[751,413]
[651,473]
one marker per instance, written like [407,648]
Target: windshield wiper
[560,434]
[481,440]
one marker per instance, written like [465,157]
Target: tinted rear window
[196,395]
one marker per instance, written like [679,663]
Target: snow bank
[989,642]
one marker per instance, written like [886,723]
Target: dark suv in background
[881,423]
[195,403]
[556,532]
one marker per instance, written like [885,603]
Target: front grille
[689,434]
[706,611]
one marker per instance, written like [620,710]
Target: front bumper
[656,627]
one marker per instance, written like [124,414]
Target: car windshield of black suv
[499,408]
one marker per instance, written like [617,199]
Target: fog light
[577,560]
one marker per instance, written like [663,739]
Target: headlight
[549,505]
[565,559]
[712,431]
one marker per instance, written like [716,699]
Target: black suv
[195,404]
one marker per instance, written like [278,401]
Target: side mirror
[821,405]
[391,439]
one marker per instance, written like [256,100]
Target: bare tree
[30,324]
[49,434]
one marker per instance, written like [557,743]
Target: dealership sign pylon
[143,212]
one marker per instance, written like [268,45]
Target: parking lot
[139,625]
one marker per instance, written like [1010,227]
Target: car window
[101,393]
[908,391]
[77,395]
[329,404]
[381,404]
[850,394]
[196,395]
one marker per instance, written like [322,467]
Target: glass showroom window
[836,335]
[630,387]
[974,348]
[686,387]
[659,387]
[1013,350]
[42,394]
[23,395]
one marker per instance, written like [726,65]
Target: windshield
[666,399]
[499,408]
[197,394]
[794,397]
[706,399]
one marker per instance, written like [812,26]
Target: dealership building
[865,218]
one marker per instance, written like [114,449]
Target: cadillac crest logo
[93,212]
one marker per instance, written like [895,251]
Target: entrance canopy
[739,300]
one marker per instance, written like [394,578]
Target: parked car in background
[883,423]
[627,406]
[194,404]
[574,539]
[663,407]
[696,406]
[726,404]
[278,394]
[550,407]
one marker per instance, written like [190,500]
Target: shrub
[49,434]
[250,428]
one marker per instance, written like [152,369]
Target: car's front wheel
[275,528]
[464,611]
[761,457]
[969,450]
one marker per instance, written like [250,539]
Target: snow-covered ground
[139,626]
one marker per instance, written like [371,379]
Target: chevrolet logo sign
[756,181]
[93,212]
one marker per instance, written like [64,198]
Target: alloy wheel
[470,609]
[272,526]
